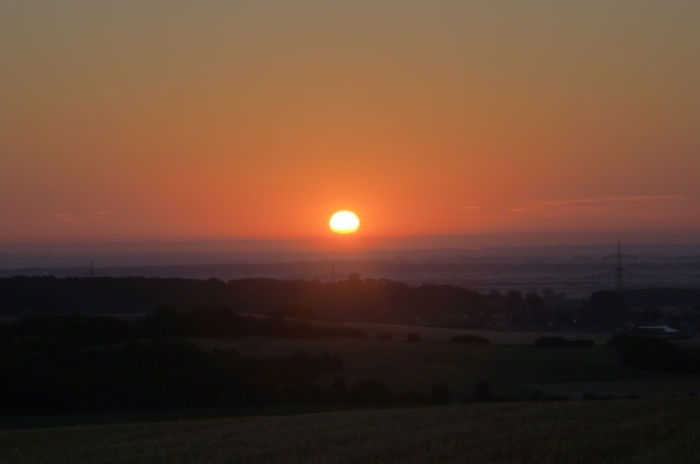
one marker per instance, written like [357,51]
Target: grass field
[658,388]
[497,337]
[625,431]
[508,368]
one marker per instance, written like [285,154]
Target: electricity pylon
[619,271]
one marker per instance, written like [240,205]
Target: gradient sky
[207,120]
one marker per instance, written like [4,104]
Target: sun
[344,222]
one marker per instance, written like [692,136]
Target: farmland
[509,366]
[631,431]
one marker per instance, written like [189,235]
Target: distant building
[660,331]
[657,330]
[354,277]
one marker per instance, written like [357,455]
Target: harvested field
[641,388]
[626,431]
[404,366]
[497,337]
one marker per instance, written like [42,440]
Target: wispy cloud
[69,218]
[629,205]
[100,214]
[486,218]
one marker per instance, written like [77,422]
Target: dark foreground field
[638,431]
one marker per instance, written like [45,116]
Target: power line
[619,271]
[91,272]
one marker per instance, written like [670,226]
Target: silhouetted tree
[607,307]
[560,342]
[372,300]
[516,307]
[652,314]
[473,339]
[495,295]
[370,391]
[338,391]
[482,392]
[535,307]
[297,311]
[440,393]
[413,337]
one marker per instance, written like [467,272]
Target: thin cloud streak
[100,213]
[599,205]
[71,218]
[484,218]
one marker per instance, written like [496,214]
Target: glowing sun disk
[344,222]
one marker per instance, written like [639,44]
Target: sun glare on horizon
[344,222]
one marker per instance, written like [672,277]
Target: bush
[588,396]
[440,393]
[482,392]
[473,339]
[385,336]
[370,392]
[607,307]
[337,392]
[413,337]
[559,342]
[297,312]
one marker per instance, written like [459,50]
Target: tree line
[369,300]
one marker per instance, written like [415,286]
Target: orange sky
[175,120]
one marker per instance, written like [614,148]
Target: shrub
[482,392]
[559,342]
[588,396]
[370,392]
[413,337]
[385,336]
[473,339]
[297,312]
[337,392]
[440,393]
